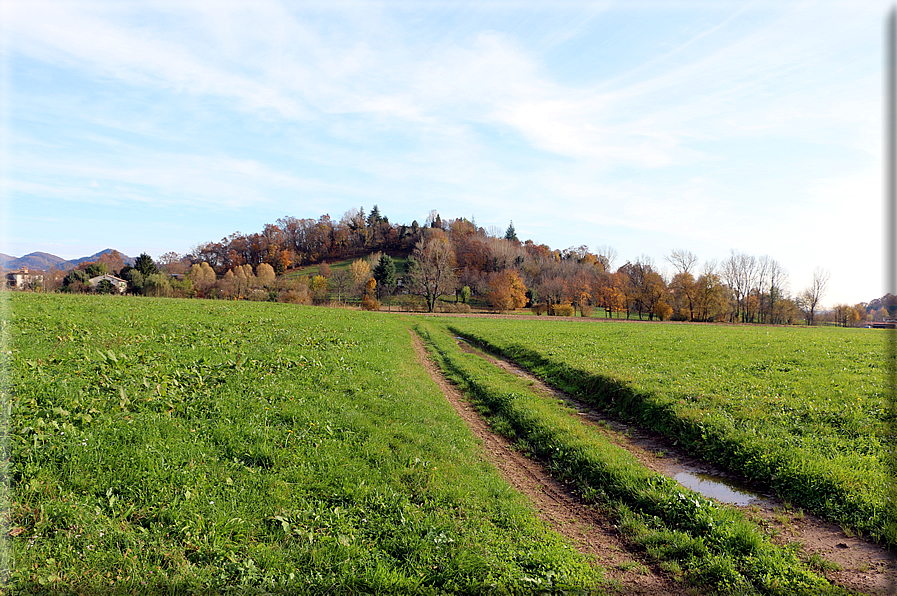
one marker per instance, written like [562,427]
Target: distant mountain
[42,260]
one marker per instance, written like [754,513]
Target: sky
[709,126]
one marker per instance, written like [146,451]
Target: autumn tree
[360,271]
[432,267]
[172,263]
[506,290]
[114,261]
[265,275]
[203,277]
[318,288]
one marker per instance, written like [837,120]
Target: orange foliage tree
[506,290]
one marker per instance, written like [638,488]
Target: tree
[105,287]
[75,280]
[135,280]
[360,272]
[606,256]
[385,274]
[432,268]
[265,274]
[203,277]
[157,284]
[511,233]
[340,280]
[683,260]
[685,294]
[318,288]
[145,265]
[740,271]
[94,269]
[809,299]
[506,290]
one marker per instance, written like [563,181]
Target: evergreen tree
[374,217]
[385,274]
[145,265]
[511,233]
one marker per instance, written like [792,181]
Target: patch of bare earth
[589,529]
[859,564]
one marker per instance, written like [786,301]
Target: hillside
[44,261]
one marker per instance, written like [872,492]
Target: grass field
[802,410]
[708,545]
[192,446]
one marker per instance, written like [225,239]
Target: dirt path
[591,530]
[861,565]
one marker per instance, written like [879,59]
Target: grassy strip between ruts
[713,546]
[175,446]
[803,411]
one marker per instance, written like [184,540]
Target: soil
[590,529]
[858,564]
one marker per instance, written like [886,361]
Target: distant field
[192,446]
[803,410]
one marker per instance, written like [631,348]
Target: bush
[455,308]
[410,302]
[563,310]
[539,309]
[293,297]
[585,310]
[369,303]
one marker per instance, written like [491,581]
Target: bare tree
[740,272]
[810,298]
[606,256]
[432,271]
[683,260]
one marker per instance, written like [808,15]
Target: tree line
[454,261]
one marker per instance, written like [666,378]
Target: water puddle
[719,488]
[698,476]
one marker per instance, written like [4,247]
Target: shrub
[563,310]
[539,309]
[369,303]
[585,310]
[294,297]
[455,308]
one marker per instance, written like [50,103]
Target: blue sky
[646,126]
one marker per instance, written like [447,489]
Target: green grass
[402,264]
[715,547]
[187,446]
[802,410]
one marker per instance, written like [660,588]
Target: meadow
[803,411]
[193,446]
[178,446]
[698,541]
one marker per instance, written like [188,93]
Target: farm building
[23,278]
[118,283]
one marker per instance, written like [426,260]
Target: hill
[43,260]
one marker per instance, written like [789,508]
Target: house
[23,278]
[118,283]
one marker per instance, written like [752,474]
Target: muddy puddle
[856,563]
[693,474]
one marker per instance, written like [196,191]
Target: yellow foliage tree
[506,290]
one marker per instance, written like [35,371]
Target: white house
[119,284]
[23,278]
